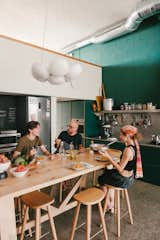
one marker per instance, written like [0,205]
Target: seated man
[27,145]
[69,136]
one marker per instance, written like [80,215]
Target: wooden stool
[37,200]
[89,197]
[117,204]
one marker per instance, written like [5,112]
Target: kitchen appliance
[34,108]
[155,139]
[106,131]
[8,141]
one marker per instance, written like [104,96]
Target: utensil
[107,145]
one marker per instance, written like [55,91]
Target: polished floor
[145,202]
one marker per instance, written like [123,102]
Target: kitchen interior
[16,111]
[130,76]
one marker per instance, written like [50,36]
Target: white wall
[15,73]
[15,77]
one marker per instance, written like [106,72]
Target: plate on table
[101,159]
[80,166]
[114,152]
[41,158]
[116,159]
[77,166]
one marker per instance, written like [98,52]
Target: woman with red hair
[129,167]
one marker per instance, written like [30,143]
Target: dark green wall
[131,73]
[92,127]
[133,84]
[139,47]
[131,64]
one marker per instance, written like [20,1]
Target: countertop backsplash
[147,124]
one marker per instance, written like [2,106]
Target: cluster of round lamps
[57,72]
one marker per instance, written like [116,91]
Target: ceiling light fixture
[59,71]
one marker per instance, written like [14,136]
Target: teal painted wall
[133,84]
[131,66]
[139,47]
[92,127]
[131,62]
[131,73]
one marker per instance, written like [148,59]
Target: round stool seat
[90,196]
[37,199]
[115,188]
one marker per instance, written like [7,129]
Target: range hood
[144,9]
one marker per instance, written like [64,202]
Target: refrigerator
[35,108]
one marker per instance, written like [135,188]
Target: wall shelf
[105,140]
[127,111]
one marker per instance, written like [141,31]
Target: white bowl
[18,174]
[104,148]
[4,166]
[96,146]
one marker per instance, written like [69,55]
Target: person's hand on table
[82,149]
[32,152]
[105,154]
[57,142]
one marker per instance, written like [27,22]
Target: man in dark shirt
[70,136]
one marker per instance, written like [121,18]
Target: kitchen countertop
[105,139]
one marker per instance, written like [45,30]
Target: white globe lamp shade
[39,72]
[56,79]
[59,67]
[75,70]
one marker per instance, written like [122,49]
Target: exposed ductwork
[144,10]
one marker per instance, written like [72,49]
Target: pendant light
[59,71]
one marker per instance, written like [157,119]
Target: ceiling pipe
[144,10]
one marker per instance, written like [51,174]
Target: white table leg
[7,219]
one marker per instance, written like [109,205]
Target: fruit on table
[20,168]
[3,158]
[78,165]
[20,160]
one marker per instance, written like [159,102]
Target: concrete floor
[145,203]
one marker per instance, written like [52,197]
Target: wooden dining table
[47,173]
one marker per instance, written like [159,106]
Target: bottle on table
[62,150]
[90,148]
[71,147]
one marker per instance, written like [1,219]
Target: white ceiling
[54,24]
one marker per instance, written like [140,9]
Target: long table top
[48,172]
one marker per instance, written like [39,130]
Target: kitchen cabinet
[151,164]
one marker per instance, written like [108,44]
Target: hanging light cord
[45,26]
